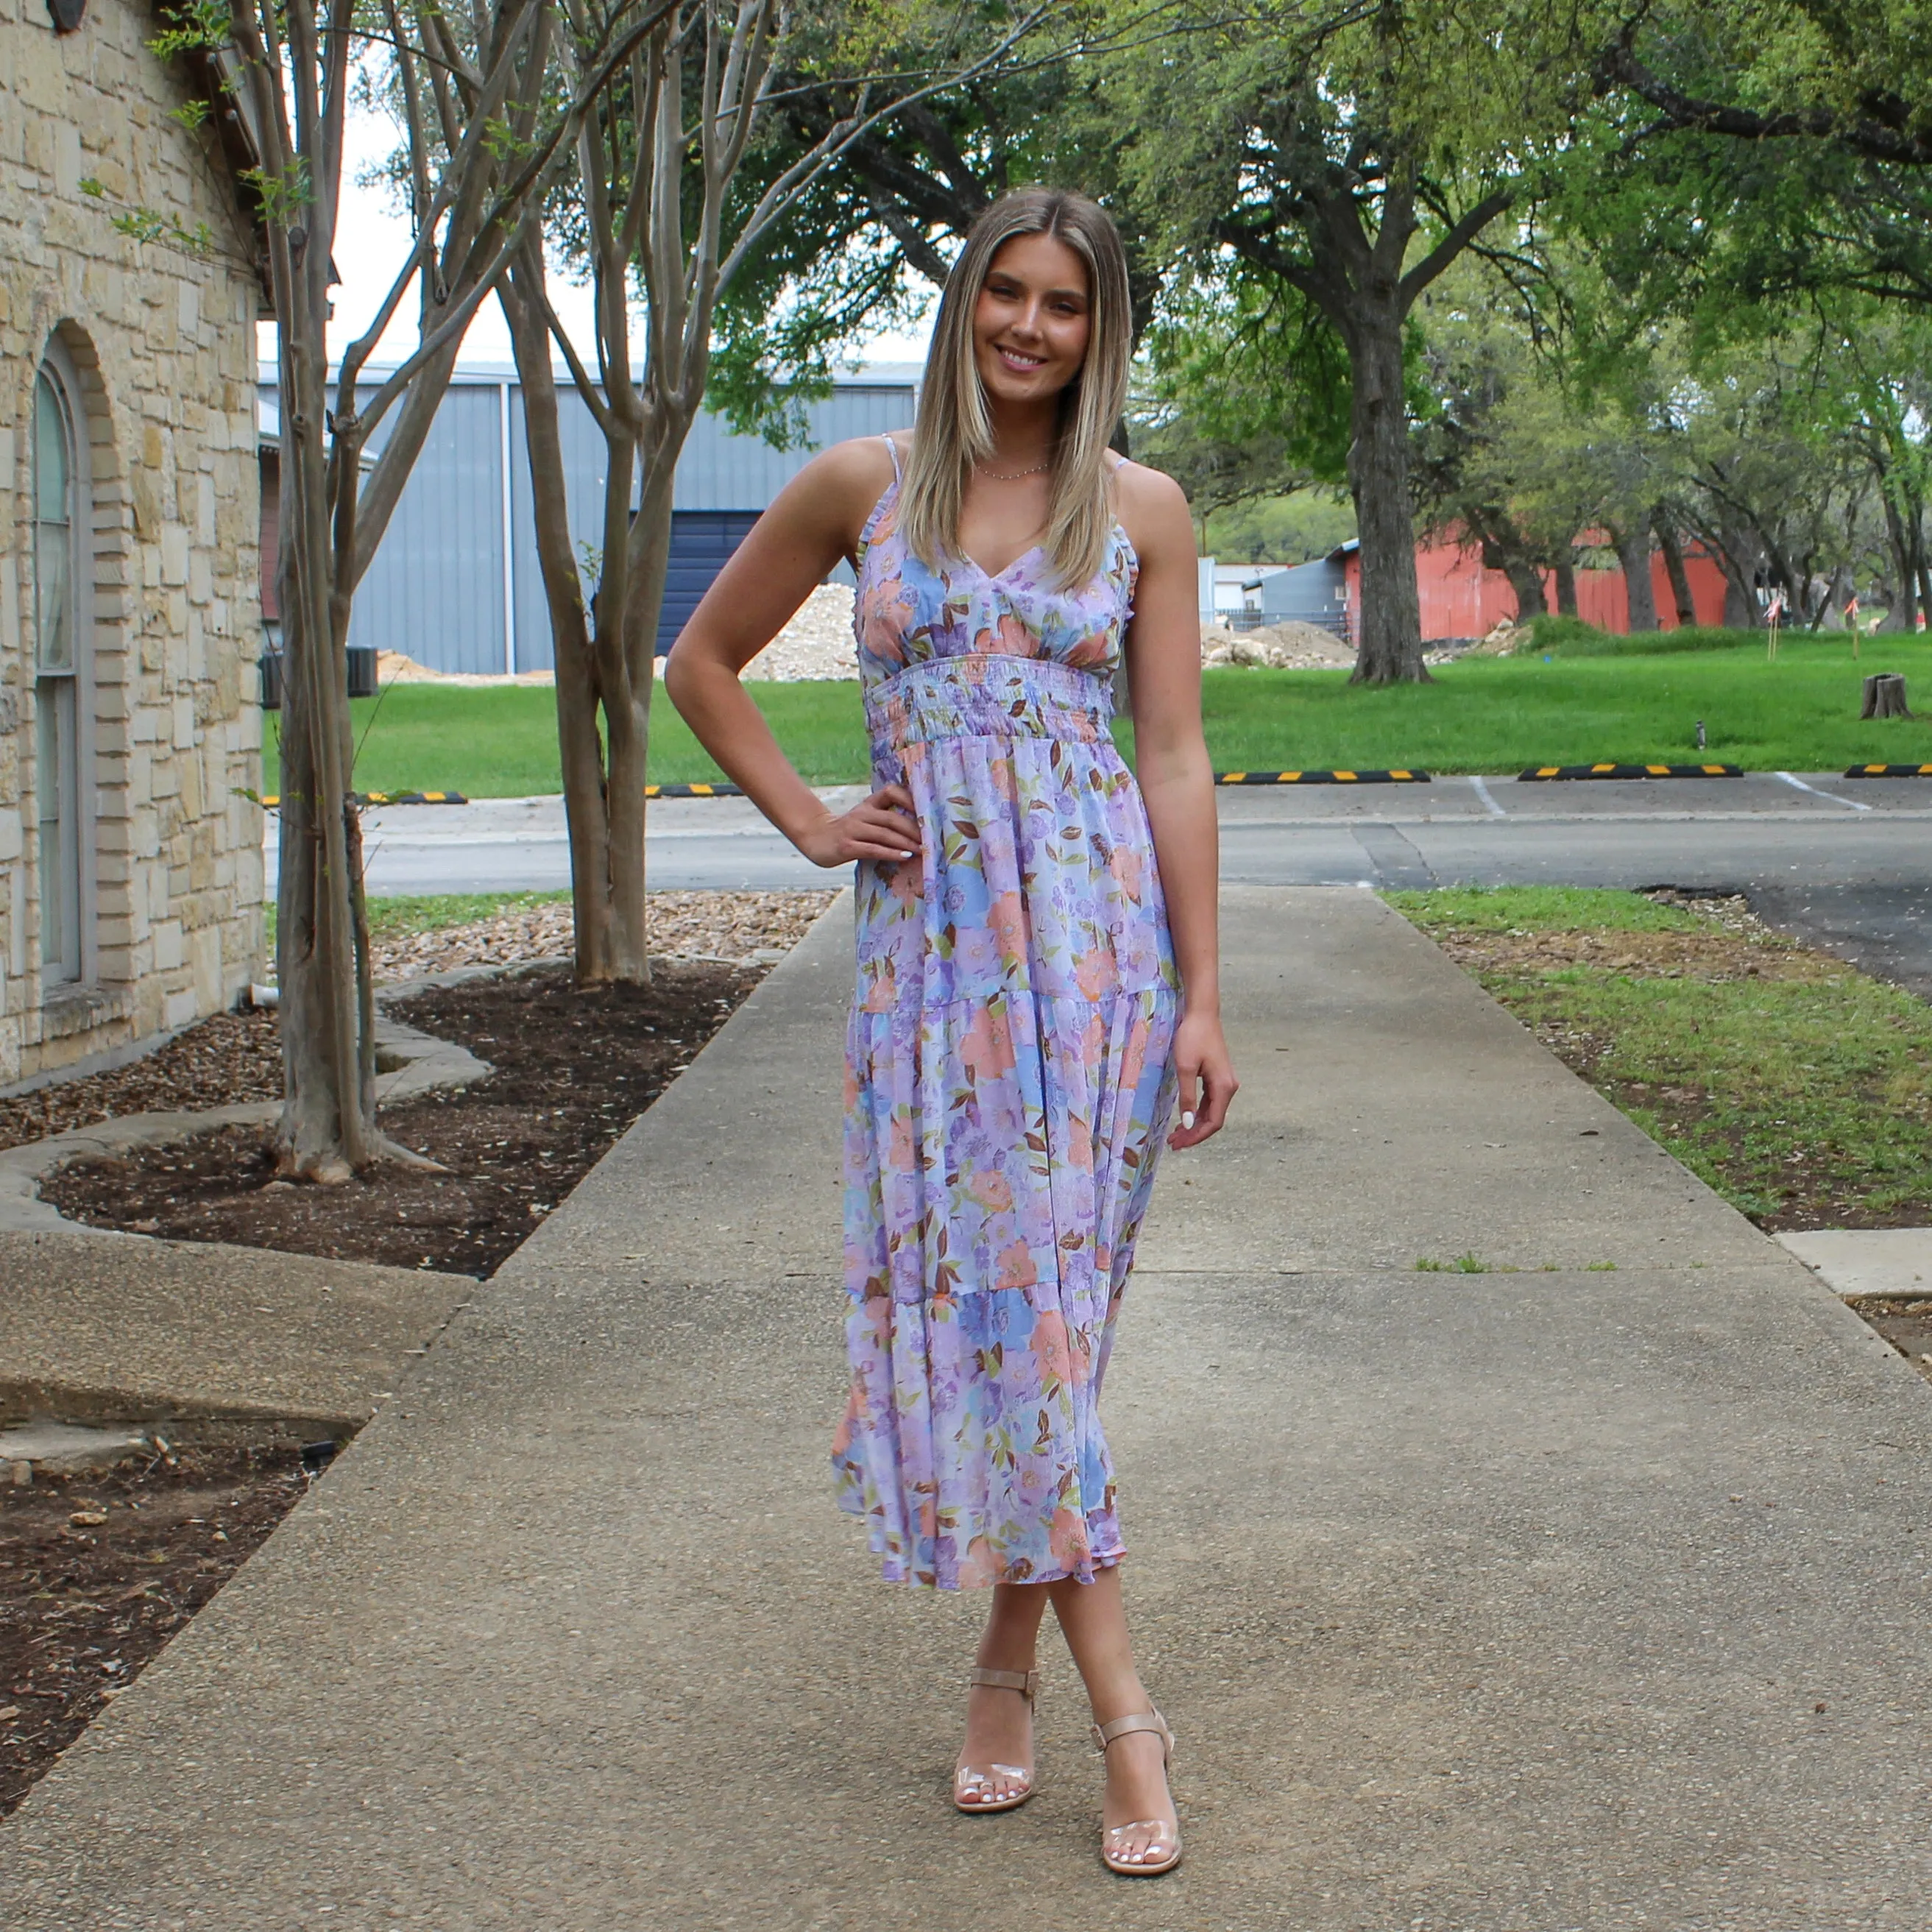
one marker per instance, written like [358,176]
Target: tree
[661,206]
[481,156]
[1353,163]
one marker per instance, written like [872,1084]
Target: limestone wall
[162,341]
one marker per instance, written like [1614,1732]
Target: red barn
[1462,599]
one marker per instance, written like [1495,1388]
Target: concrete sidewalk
[1495,1602]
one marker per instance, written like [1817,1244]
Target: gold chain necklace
[1012,476]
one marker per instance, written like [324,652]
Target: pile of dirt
[573,1069]
[98,1571]
[1289,645]
[817,642]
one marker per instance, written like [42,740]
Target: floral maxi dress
[1008,1075]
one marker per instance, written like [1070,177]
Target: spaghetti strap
[898,475]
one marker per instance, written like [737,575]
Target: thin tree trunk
[1390,647]
[1673,566]
[578,740]
[1564,570]
[1633,553]
[1899,609]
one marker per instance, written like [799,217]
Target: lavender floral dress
[1009,1077]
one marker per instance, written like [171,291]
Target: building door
[701,542]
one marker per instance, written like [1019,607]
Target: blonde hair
[954,430]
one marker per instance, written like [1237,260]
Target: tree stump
[1885,696]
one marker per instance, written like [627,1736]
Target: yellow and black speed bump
[1398,777]
[1888,771]
[720,790]
[1536,772]
[272,799]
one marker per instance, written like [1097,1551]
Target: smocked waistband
[986,695]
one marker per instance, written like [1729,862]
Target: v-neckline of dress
[994,576]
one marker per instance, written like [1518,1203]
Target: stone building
[130,862]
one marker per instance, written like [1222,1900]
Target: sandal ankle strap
[1103,1734]
[1026,1682]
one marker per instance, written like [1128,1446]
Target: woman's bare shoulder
[833,494]
[1152,507]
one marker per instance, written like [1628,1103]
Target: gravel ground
[743,928]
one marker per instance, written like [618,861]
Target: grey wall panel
[719,471]
[437,590]
[584,490]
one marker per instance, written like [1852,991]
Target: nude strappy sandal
[968,1778]
[1163,1854]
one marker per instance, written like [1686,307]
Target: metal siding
[583,455]
[435,591]
[720,471]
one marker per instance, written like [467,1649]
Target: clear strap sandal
[1162,1851]
[997,1787]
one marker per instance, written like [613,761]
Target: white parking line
[1849,804]
[1482,791]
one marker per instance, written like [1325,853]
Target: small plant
[1463,1264]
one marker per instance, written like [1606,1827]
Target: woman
[1037,979]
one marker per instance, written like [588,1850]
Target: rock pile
[1289,645]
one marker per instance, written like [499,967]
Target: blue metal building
[456,584]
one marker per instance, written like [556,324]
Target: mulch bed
[574,1069]
[221,1062]
[98,1571]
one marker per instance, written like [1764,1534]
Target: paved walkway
[1498,1602]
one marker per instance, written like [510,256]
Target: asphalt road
[1845,862]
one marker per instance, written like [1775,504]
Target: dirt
[573,1069]
[1906,1325]
[98,1572]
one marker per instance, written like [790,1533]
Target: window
[57,666]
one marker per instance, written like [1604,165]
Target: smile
[1019,362]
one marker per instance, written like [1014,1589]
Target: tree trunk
[1564,570]
[1389,649]
[1526,581]
[1633,545]
[327,1127]
[1740,612]
[579,741]
[1900,607]
[1673,565]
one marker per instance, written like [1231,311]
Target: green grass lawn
[1634,701]
[1800,713]
[1798,1087]
[502,743]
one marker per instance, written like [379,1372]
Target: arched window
[60,580]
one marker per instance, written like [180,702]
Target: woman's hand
[884,826]
[1207,1082]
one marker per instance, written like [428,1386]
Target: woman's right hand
[884,827]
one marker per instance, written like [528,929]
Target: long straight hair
[954,428]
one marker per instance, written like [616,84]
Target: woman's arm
[815,519]
[1176,781]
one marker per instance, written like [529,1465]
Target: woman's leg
[999,1723]
[1095,1621]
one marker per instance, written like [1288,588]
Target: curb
[719,790]
[1537,773]
[1395,777]
[1888,771]
[270,800]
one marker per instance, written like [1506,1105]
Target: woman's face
[1031,323]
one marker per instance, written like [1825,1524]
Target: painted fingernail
[1187,1120]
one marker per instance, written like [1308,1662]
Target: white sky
[372,239]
